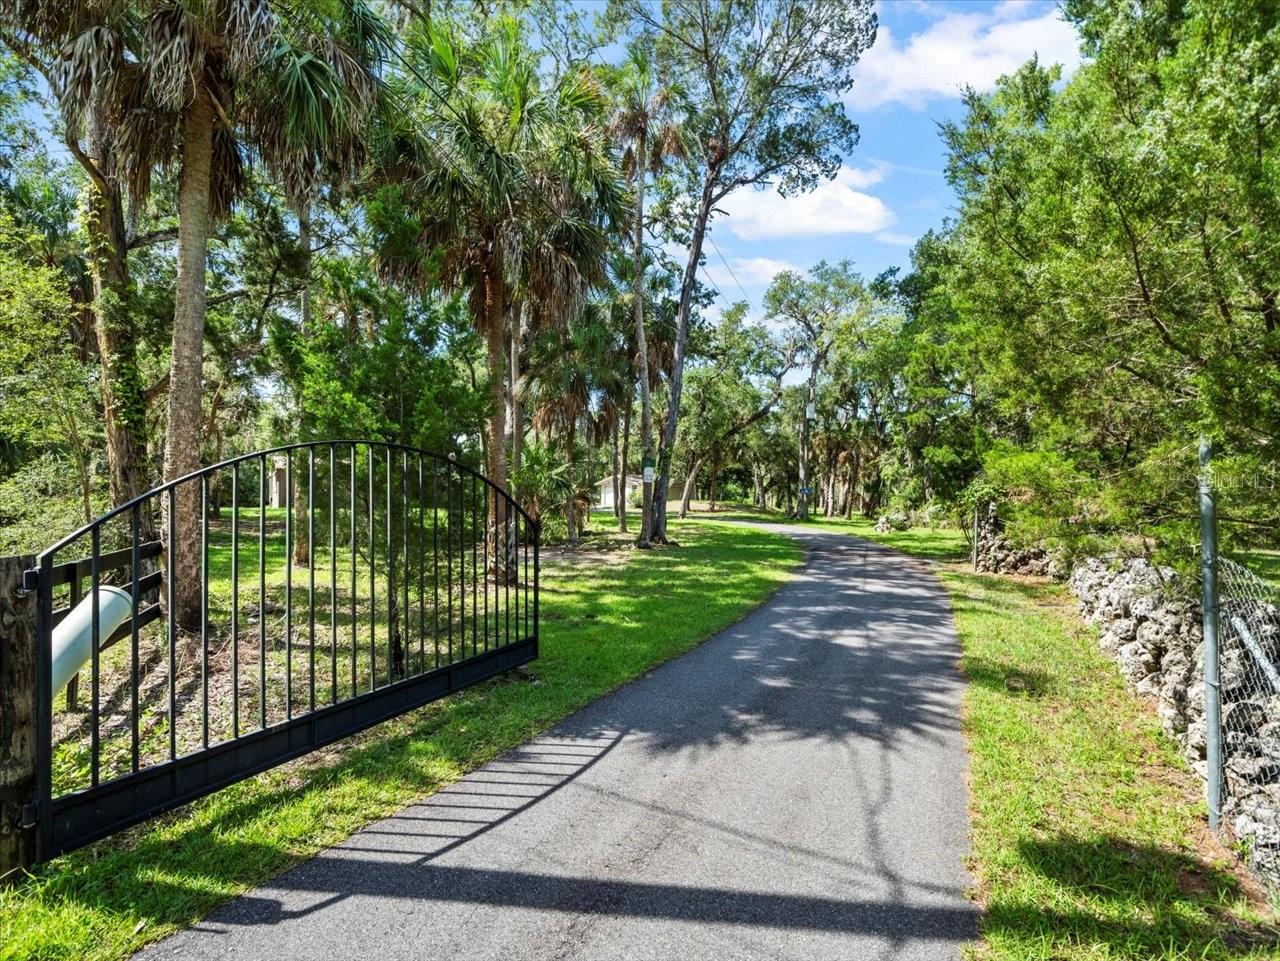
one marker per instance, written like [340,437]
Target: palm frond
[85,71]
[175,56]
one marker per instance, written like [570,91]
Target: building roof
[631,479]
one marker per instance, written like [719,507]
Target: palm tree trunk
[495,338]
[569,512]
[613,466]
[182,442]
[626,457]
[513,379]
[642,350]
[301,503]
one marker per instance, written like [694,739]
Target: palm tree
[567,367]
[643,125]
[192,85]
[511,188]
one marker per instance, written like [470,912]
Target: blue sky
[891,188]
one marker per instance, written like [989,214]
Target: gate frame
[47,826]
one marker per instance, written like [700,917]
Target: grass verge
[1088,829]
[1089,836]
[602,625]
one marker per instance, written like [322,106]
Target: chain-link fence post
[1209,604]
[977,527]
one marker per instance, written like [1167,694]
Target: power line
[728,268]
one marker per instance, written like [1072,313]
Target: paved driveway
[793,788]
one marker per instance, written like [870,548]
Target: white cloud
[958,49]
[757,272]
[896,240]
[833,207]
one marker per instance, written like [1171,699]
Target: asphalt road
[793,788]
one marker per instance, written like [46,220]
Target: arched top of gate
[449,460]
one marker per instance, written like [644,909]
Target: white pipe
[71,638]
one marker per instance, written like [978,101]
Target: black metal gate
[257,609]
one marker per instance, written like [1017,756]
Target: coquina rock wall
[997,556]
[1157,639]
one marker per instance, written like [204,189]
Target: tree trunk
[802,504]
[626,457]
[668,442]
[613,466]
[304,244]
[642,349]
[182,442]
[689,483]
[855,465]
[757,478]
[513,378]
[570,514]
[829,507]
[495,302]
[715,475]
[124,405]
[301,500]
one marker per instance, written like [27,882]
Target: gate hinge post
[19,710]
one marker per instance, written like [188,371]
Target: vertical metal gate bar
[173,638]
[204,610]
[288,585]
[235,599]
[404,578]
[448,553]
[333,576]
[435,562]
[422,570]
[537,570]
[512,528]
[373,583]
[484,568]
[462,577]
[135,574]
[514,572]
[262,591]
[95,643]
[354,638]
[391,580]
[475,606]
[526,579]
[311,576]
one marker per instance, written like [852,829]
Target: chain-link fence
[1249,683]
[1240,664]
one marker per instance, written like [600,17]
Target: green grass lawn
[1089,836]
[1089,830]
[605,621]
[931,543]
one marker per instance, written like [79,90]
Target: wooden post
[18,648]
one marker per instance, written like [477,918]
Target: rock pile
[997,556]
[1156,637]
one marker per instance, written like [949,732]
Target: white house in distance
[635,487]
[604,490]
